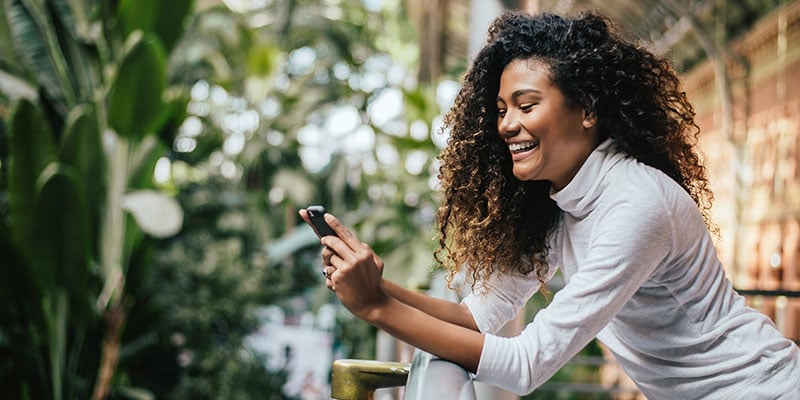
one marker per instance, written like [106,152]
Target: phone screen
[316,213]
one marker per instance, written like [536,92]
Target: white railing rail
[434,378]
[427,377]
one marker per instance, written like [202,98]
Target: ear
[589,119]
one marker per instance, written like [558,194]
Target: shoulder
[620,177]
[637,193]
[644,185]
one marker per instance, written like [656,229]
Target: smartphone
[316,213]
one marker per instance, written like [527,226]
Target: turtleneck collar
[579,197]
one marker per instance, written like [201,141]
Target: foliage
[204,289]
[74,162]
[98,298]
[235,73]
[110,106]
[293,76]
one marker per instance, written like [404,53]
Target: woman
[573,148]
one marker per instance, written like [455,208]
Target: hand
[327,268]
[353,271]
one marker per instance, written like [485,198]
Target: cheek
[570,131]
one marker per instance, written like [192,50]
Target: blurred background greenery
[153,156]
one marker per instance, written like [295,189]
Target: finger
[330,282]
[347,236]
[344,255]
[345,259]
[304,214]
[364,253]
[375,259]
[327,253]
[337,263]
[341,253]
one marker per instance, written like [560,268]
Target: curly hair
[488,220]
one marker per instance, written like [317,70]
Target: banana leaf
[17,279]
[38,50]
[81,147]
[163,18]
[31,150]
[136,106]
[79,45]
[60,253]
[8,57]
[74,15]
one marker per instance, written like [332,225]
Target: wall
[757,189]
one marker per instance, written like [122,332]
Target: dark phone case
[316,213]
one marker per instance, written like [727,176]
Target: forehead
[534,64]
[526,74]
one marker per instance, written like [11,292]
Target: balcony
[428,377]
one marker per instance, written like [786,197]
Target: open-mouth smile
[522,147]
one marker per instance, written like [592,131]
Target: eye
[501,113]
[526,106]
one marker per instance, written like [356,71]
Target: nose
[508,126]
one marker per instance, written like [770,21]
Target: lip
[517,155]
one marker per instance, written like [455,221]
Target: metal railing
[434,378]
[358,379]
[427,377]
[768,293]
[780,305]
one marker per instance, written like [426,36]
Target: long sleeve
[496,302]
[642,276]
[624,250]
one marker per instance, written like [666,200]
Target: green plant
[91,103]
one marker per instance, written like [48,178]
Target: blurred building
[754,162]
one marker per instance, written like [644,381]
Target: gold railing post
[358,379]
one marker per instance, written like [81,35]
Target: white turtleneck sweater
[643,277]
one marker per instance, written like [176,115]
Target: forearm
[441,338]
[444,310]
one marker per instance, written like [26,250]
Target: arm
[445,310]
[355,276]
[446,340]
[449,311]
[625,250]
[485,310]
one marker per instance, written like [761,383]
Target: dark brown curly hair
[488,220]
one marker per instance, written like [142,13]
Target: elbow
[526,384]
[468,320]
[521,372]
[523,386]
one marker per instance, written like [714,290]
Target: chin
[525,177]
[528,169]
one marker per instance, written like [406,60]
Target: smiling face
[548,139]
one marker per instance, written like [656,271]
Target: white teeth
[521,146]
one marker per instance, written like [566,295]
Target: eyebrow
[520,92]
